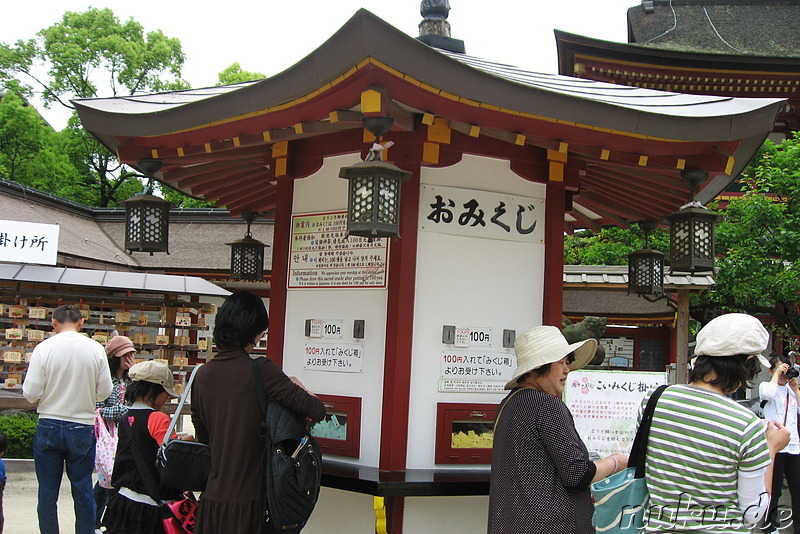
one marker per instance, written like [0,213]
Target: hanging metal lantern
[691,238]
[646,272]
[147,216]
[373,205]
[691,231]
[147,224]
[247,254]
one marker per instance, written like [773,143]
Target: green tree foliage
[610,246]
[19,428]
[759,239]
[33,154]
[757,242]
[182,201]
[235,74]
[88,55]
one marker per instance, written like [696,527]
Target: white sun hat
[732,334]
[546,344]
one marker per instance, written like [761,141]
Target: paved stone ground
[19,504]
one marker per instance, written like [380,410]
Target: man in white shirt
[68,373]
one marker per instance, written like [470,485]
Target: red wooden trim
[553,298]
[280,270]
[351,444]
[399,334]
[448,413]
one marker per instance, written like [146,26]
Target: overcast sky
[268,36]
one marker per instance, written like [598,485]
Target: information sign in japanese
[338,357]
[470,386]
[451,210]
[27,242]
[322,257]
[605,404]
[473,370]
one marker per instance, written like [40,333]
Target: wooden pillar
[400,311]
[682,338]
[553,297]
[281,242]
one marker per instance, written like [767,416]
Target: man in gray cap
[68,373]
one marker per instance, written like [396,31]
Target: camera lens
[792,373]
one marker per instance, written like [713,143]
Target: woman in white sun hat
[541,469]
[709,459]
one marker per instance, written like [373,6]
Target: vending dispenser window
[340,432]
[464,433]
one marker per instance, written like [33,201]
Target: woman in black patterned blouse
[541,470]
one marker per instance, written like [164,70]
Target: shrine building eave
[226,142]
[626,109]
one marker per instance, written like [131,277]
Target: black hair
[146,391]
[239,320]
[67,314]
[543,370]
[775,359]
[3,443]
[732,372]
[114,364]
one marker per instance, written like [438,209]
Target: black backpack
[292,466]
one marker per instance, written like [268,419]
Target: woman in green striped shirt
[709,459]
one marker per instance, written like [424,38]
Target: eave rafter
[237,170]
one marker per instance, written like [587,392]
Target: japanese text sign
[483,370]
[451,210]
[605,404]
[339,357]
[322,256]
[27,242]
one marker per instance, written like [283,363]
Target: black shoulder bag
[183,465]
[292,465]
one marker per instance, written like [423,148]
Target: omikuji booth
[479,169]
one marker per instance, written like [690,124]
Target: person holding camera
[780,398]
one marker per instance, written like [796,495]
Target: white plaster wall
[445,515]
[325,191]
[467,282]
[344,512]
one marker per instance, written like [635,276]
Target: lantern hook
[249,217]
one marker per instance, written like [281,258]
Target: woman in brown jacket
[226,414]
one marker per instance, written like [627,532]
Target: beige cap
[155,373]
[732,334]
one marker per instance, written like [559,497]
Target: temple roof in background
[741,27]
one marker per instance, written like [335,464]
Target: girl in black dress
[131,509]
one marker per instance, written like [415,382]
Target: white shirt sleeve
[752,495]
[767,390]
[33,385]
[104,384]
